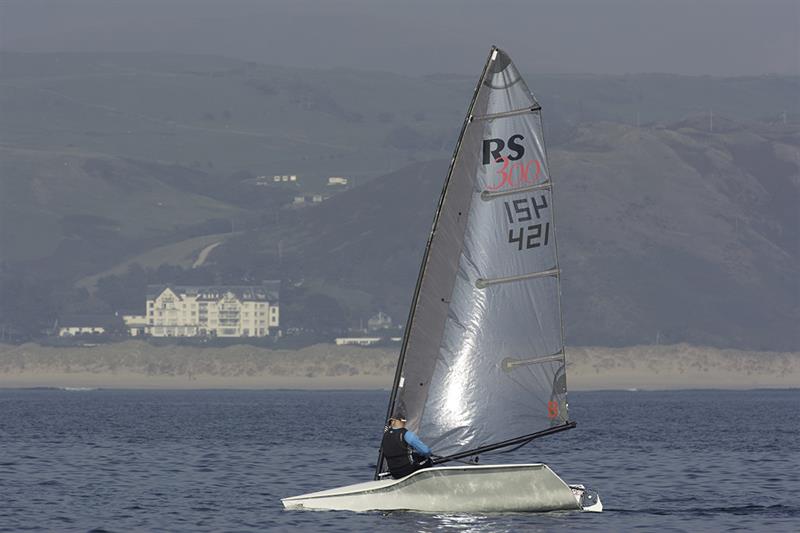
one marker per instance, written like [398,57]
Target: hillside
[675,234]
[169,124]
[225,115]
[671,228]
[86,209]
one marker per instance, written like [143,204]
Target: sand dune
[137,364]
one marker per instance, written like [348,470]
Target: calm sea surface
[221,461]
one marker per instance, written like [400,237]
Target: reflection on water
[457,522]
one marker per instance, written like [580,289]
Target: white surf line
[203,255]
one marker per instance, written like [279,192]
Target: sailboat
[482,368]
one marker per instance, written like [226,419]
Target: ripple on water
[221,460]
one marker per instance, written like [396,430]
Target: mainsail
[482,364]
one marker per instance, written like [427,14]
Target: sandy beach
[139,365]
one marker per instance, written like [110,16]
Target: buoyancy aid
[397,453]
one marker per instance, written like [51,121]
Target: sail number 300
[525,210]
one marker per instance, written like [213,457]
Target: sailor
[403,450]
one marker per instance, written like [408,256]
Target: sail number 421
[525,210]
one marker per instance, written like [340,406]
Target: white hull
[486,488]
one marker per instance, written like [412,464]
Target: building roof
[268,291]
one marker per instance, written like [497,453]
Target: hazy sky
[719,37]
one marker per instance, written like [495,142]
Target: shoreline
[139,365]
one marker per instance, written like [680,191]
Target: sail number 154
[527,210]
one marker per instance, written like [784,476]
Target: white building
[71,331]
[135,324]
[301,201]
[337,180]
[379,321]
[285,179]
[219,311]
[81,325]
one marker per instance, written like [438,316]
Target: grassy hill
[676,230]
[671,234]
[666,234]
[83,210]
[216,113]
[228,115]
[185,254]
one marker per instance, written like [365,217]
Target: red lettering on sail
[516,174]
[552,410]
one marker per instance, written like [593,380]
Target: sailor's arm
[419,446]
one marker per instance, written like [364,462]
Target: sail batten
[504,114]
[490,195]
[483,283]
[510,363]
[469,323]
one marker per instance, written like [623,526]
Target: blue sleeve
[418,445]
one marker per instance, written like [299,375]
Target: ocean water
[107,460]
